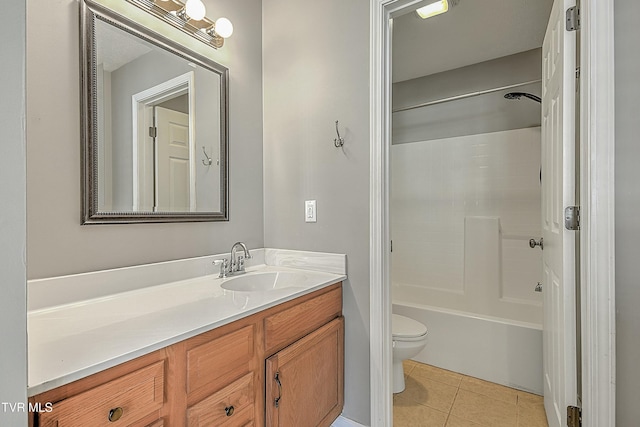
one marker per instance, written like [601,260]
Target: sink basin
[260,282]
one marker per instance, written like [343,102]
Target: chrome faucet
[236,264]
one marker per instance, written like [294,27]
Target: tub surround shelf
[71,341]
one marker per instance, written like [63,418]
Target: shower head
[517,95]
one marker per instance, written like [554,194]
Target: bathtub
[502,351]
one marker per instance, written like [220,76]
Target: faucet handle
[224,266]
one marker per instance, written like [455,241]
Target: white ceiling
[117,47]
[472,31]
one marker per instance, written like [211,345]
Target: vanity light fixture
[190,18]
[433,9]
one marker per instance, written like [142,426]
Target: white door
[173,166]
[558,186]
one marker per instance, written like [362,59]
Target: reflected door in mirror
[173,176]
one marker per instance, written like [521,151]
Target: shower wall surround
[462,212]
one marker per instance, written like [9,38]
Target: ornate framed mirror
[154,125]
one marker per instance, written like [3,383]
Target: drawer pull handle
[277,400]
[115,414]
[229,410]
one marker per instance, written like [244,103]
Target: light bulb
[195,9]
[224,27]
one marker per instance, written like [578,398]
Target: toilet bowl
[409,338]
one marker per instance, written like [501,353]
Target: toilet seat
[406,329]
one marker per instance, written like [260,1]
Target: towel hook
[339,141]
[207,162]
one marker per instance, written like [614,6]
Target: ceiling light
[433,9]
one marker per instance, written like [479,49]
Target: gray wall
[627,36]
[207,135]
[468,116]
[57,244]
[13,304]
[311,79]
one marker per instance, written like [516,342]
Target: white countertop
[72,341]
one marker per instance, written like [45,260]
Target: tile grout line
[446,422]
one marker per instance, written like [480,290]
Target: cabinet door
[305,381]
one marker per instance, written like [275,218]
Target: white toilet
[409,338]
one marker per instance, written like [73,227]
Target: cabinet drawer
[135,395]
[216,363]
[285,327]
[231,406]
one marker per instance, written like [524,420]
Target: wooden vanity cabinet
[305,385]
[218,378]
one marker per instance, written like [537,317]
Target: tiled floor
[434,397]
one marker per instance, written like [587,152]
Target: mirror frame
[89,12]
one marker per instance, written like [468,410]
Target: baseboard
[345,422]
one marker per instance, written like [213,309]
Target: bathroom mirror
[154,125]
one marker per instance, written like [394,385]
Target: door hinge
[574,416]
[573,18]
[572,217]
[153,131]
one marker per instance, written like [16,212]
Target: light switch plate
[310,211]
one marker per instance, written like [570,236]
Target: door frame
[142,104]
[597,256]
